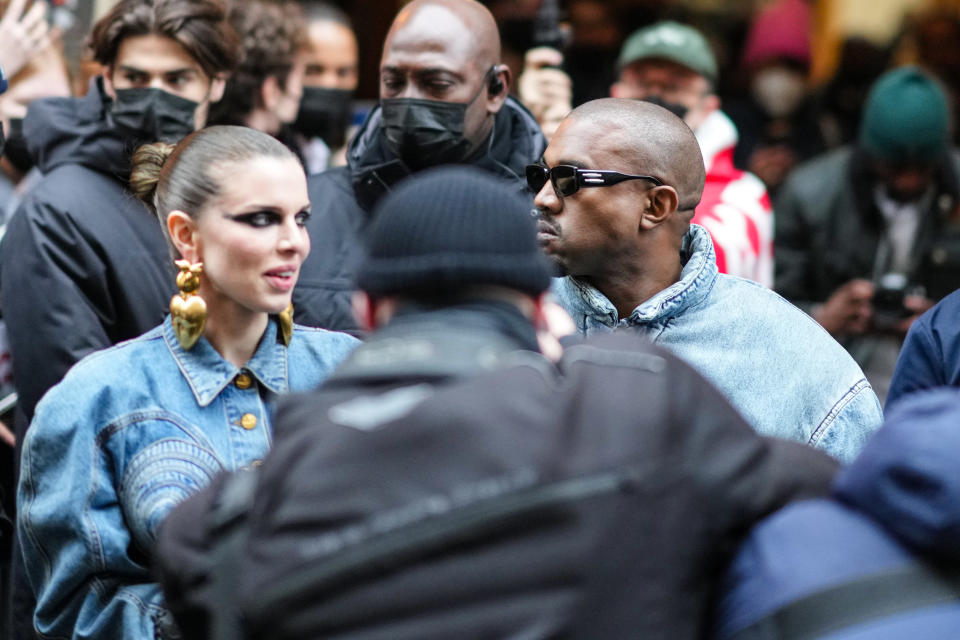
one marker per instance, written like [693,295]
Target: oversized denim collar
[208,373]
[697,278]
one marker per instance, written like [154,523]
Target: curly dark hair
[271,33]
[199,26]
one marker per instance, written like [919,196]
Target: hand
[22,35]
[917,306]
[545,91]
[848,310]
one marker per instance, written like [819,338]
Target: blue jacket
[897,507]
[778,367]
[930,356]
[130,432]
[774,363]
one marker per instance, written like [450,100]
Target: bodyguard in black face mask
[84,265]
[443,99]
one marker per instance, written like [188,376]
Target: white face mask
[778,90]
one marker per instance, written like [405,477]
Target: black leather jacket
[828,229]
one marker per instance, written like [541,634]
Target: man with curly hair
[264,90]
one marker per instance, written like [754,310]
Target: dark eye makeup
[265,218]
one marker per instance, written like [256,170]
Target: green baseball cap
[672,41]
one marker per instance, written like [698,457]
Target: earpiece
[495,85]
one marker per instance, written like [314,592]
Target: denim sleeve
[75,543]
[848,427]
[919,366]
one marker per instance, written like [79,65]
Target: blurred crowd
[204,216]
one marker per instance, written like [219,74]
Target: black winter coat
[343,200]
[83,264]
[599,499]
[829,229]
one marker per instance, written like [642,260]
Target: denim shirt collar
[697,278]
[208,373]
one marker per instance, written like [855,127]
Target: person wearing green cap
[672,65]
[867,235]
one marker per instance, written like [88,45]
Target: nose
[547,201]
[294,239]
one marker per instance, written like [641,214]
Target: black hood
[77,131]
[515,142]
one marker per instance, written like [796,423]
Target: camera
[889,293]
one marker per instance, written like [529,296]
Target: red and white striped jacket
[735,207]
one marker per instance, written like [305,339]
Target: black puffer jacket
[83,264]
[343,198]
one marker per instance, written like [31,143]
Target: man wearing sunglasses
[615,192]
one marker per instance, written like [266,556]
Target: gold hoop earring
[189,311]
[285,319]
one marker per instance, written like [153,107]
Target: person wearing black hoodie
[83,264]
[443,100]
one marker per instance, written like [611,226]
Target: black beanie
[449,228]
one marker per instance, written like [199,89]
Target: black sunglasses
[567,179]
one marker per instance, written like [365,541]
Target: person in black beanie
[448,481]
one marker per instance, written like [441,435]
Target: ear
[363,309]
[661,204]
[711,103]
[183,233]
[270,93]
[501,75]
[217,86]
[108,82]
[552,323]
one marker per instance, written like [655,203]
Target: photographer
[867,236]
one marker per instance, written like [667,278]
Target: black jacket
[596,499]
[829,229]
[342,201]
[83,264]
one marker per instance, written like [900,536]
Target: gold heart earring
[189,310]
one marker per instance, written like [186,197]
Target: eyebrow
[573,163]
[128,69]
[423,72]
[254,208]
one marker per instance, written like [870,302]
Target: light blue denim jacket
[774,363]
[127,434]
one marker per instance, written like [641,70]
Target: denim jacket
[773,362]
[127,434]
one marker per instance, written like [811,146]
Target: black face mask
[325,113]
[426,133]
[153,115]
[675,108]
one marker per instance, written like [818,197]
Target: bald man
[443,100]
[616,190]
